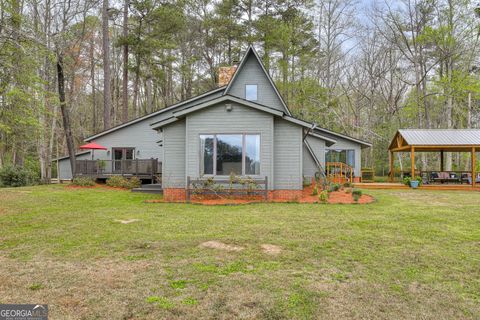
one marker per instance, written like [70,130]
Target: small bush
[336,186]
[356,194]
[121,182]
[13,176]
[315,191]
[406,181]
[134,182]
[348,184]
[83,182]
[323,197]
[117,182]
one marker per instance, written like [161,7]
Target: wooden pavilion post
[442,167]
[474,164]
[390,164]
[412,158]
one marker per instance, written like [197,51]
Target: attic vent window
[251,92]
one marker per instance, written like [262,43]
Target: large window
[223,154]
[345,156]
[251,92]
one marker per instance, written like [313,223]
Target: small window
[251,92]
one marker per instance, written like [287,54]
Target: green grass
[411,254]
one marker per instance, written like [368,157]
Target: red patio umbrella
[92,146]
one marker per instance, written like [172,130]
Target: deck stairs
[155,188]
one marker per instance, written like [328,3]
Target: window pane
[252,154]
[344,156]
[206,154]
[251,92]
[229,154]
[351,158]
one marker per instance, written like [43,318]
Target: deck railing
[102,168]
[339,172]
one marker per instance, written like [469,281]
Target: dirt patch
[220,246]
[127,221]
[271,249]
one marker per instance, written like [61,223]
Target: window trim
[256,93]
[243,134]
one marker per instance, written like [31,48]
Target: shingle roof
[438,137]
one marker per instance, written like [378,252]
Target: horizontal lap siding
[241,119]
[139,136]
[64,168]
[318,148]
[288,159]
[252,73]
[174,155]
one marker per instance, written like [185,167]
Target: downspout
[321,171]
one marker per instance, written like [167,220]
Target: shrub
[348,184]
[122,182]
[406,181]
[315,191]
[13,176]
[134,182]
[117,182]
[356,194]
[83,182]
[323,197]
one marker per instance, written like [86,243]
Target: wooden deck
[390,185]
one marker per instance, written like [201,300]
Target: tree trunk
[107,98]
[92,80]
[125,63]
[65,116]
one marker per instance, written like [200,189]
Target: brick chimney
[225,74]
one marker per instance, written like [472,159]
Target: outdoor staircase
[154,188]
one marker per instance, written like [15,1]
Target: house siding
[64,169]
[139,135]
[288,154]
[173,175]
[252,73]
[240,119]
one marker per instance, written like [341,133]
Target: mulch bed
[335,197]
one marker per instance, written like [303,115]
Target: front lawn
[105,254]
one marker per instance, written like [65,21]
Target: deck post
[474,164]
[441,161]
[390,165]
[412,158]
[187,191]
[266,188]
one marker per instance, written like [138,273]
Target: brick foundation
[174,194]
[179,194]
[288,195]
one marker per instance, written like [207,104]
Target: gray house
[244,127]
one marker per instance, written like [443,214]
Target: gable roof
[435,137]
[181,113]
[251,51]
[150,115]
